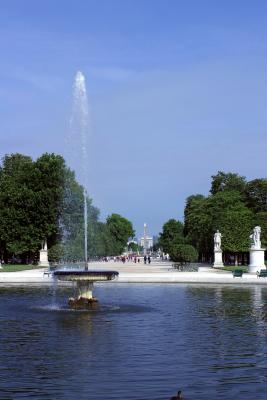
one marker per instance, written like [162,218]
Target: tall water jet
[79,132]
[80,123]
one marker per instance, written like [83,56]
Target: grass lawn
[17,267]
[233,267]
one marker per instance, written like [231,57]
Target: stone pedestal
[43,258]
[218,263]
[85,289]
[85,299]
[256,260]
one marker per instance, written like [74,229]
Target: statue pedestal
[218,263]
[43,259]
[256,260]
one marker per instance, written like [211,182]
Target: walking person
[145,259]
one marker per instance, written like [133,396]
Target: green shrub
[55,253]
[183,253]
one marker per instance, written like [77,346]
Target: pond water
[146,342]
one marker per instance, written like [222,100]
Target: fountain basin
[84,282]
[85,275]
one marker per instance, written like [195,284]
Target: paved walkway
[129,272]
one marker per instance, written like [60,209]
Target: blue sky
[177,89]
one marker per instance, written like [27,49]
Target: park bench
[49,271]
[178,266]
[185,267]
[262,273]
[237,273]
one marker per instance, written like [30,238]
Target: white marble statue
[217,241]
[44,245]
[256,238]
[256,253]
[43,255]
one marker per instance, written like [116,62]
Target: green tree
[233,207]
[172,233]
[132,246]
[119,230]
[230,215]
[260,219]
[225,211]
[42,200]
[72,221]
[227,181]
[56,253]
[198,224]
[17,231]
[48,188]
[183,253]
[256,195]
[30,194]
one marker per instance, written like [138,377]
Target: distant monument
[44,255]
[146,241]
[256,253]
[218,263]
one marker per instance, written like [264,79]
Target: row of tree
[234,206]
[41,200]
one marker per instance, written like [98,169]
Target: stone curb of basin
[190,277]
[156,275]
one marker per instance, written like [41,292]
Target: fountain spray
[83,279]
[80,128]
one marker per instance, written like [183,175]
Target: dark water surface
[146,342]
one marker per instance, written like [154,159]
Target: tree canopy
[234,206]
[121,230]
[42,200]
[183,253]
[256,195]
[30,198]
[172,233]
[227,181]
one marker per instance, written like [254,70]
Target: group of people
[124,259]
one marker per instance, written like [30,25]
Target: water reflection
[234,328]
[227,301]
[210,341]
[82,322]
